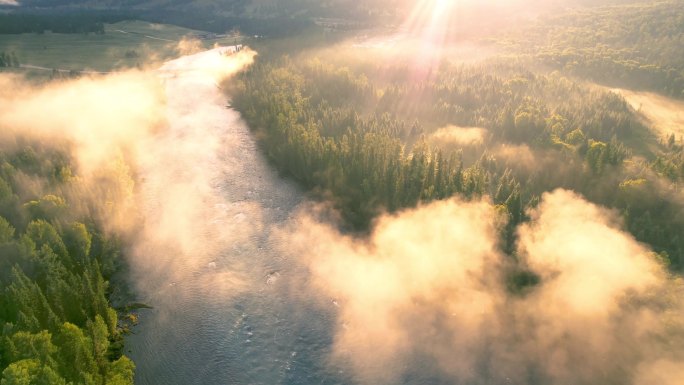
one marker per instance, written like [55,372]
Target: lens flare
[429,22]
[436,25]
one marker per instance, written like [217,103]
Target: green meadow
[123,45]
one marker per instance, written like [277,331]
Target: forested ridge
[636,46]
[57,324]
[364,134]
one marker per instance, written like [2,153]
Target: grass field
[124,44]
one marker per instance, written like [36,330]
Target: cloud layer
[428,289]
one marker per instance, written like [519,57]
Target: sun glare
[440,4]
[435,25]
[429,23]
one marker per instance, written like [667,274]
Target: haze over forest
[341,192]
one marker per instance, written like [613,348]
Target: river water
[225,305]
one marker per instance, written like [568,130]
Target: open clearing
[124,44]
[665,115]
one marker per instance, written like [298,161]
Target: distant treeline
[278,10]
[68,21]
[15,23]
[206,21]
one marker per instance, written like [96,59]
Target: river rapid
[227,307]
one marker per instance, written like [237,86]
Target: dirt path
[143,35]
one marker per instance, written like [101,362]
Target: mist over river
[252,284]
[226,308]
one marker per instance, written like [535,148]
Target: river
[225,305]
